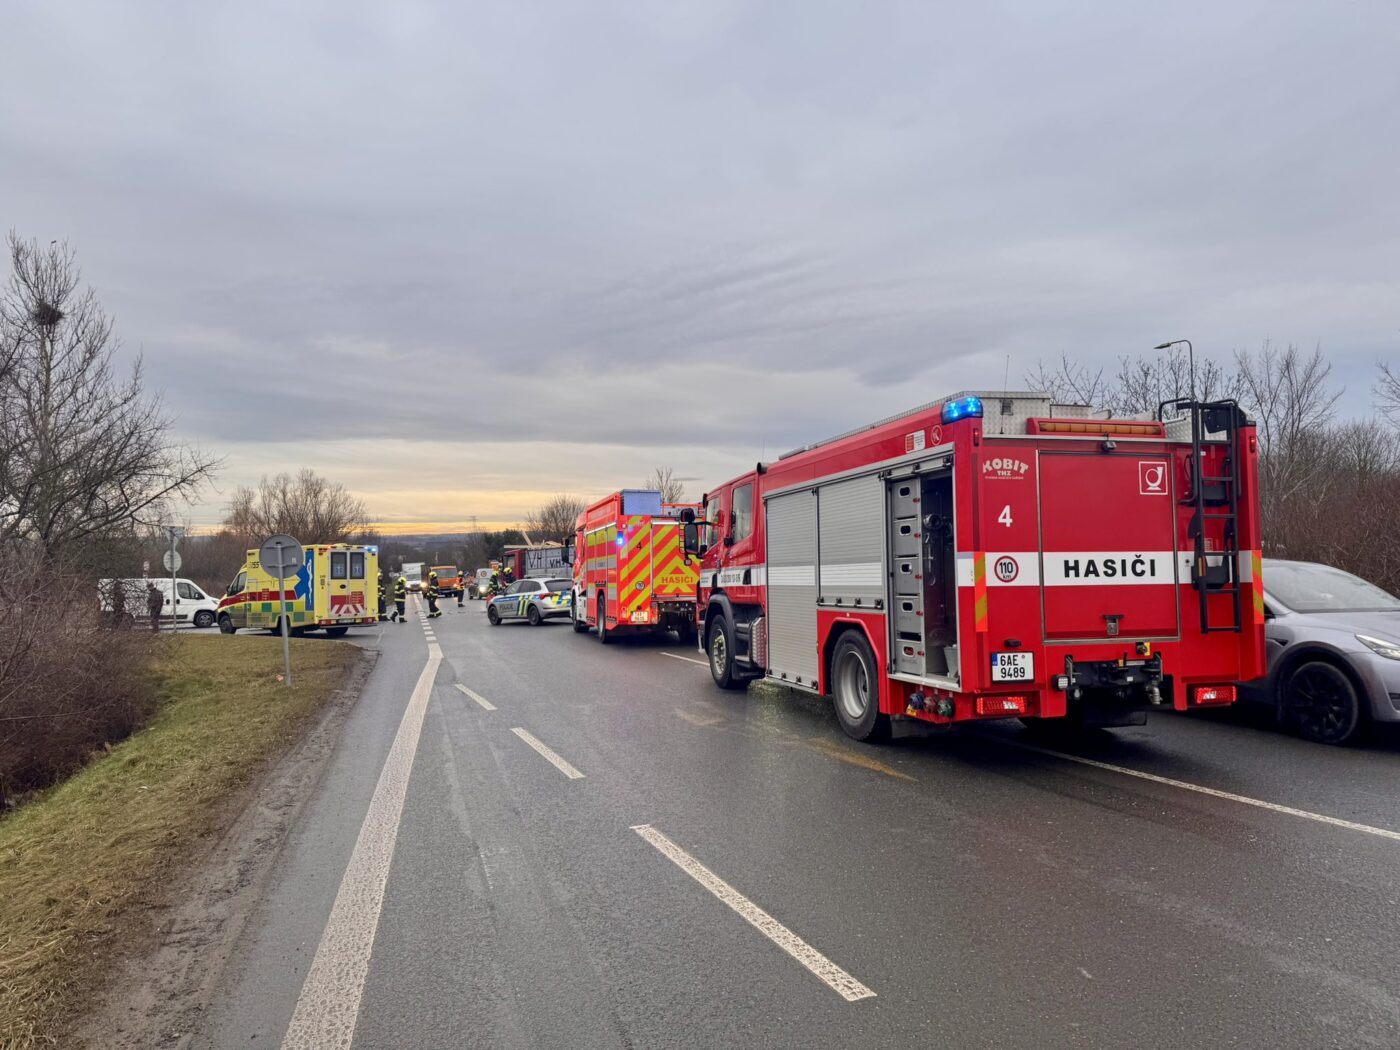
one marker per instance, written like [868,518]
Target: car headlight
[1381,647]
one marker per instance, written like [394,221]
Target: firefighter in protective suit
[400,596]
[433,593]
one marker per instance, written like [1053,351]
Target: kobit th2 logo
[1004,467]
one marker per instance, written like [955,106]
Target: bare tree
[1143,383]
[664,480]
[1139,386]
[1070,383]
[85,453]
[555,520]
[1292,401]
[307,506]
[1387,391]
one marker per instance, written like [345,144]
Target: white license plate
[1013,667]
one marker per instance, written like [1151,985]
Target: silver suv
[1333,649]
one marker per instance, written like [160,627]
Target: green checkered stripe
[275,609]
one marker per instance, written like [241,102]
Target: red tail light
[1213,694]
[1002,705]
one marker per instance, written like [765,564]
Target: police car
[532,600]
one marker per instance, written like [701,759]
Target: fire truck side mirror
[690,538]
[569,552]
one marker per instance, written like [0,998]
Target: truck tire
[579,625]
[604,635]
[685,633]
[204,618]
[226,624]
[1321,701]
[855,689]
[719,646]
[533,617]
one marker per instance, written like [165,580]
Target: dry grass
[78,862]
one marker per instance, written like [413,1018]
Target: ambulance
[336,588]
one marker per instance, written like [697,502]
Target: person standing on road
[155,603]
[383,592]
[400,597]
[461,588]
[432,592]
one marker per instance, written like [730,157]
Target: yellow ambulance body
[336,588]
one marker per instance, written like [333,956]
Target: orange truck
[449,580]
[630,571]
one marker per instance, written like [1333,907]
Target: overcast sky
[518,248]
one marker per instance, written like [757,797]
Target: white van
[483,583]
[194,606]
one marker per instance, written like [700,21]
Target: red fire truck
[993,555]
[630,572]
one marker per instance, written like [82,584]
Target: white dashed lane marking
[687,659]
[486,705]
[835,978]
[548,755]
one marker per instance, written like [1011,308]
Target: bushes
[69,682]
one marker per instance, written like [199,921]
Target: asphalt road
[697,868]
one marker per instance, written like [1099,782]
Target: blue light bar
[964,408]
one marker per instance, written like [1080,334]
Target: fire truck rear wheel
[719,644]
[855,689]
[579,625]
[604,635]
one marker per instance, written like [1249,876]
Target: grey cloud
[754,222]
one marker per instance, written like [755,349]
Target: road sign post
[281,557]
[172,565]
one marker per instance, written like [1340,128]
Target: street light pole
[1190,357]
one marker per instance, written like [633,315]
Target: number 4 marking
[1005,516]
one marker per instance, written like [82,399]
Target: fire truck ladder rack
[1214,498]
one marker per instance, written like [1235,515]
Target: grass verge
[80,861]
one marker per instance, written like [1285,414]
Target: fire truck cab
[991,555]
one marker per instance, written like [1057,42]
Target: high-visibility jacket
[400,589]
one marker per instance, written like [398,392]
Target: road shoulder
[174,963]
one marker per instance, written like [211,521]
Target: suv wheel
[1321,701]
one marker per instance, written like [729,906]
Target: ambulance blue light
[621,540]
[964,408]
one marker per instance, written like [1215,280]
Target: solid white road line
[328,1008]
[835,978]
[1229,796]
[486,705]
[549,756]
[687,659]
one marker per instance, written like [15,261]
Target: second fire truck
[993,555]
[630,571]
